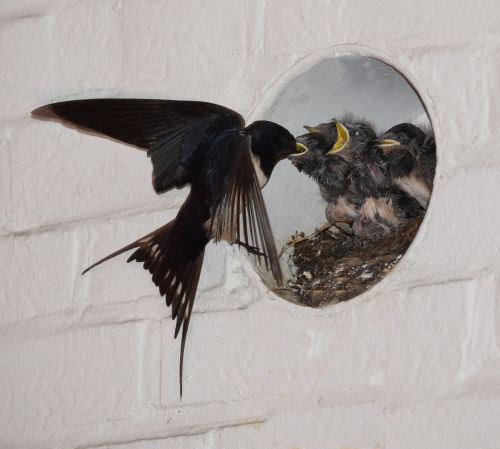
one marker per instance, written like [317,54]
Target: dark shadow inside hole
[384,190]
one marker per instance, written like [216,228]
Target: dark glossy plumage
[203,145]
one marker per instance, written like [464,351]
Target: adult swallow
[209,148]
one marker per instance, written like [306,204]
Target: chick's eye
[356,133]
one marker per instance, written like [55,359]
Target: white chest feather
[416,188]
[261,177]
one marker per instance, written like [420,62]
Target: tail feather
[138,242]
[187,313]
[178,283]
[173,254]
[114,254]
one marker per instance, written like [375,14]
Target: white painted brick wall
[90,362]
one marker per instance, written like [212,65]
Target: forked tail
[173,254]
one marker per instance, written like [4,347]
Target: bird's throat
[261,176]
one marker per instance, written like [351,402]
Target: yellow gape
[342,139]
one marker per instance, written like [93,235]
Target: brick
[194,66]
[43,274]
[454,140]
[497,310]
[400,340]
[5,180]
[15,9]
[26,51]
[38,277]
[480,351]
[333,24]
[74,379]
[88,48]
[481,151]
[64,175]
[203,441]
[434,424]
[455,239]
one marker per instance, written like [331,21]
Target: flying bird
[209,148]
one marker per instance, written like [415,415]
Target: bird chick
[370,201]
[352,176]
[411,160]
[330,173]
[354,144]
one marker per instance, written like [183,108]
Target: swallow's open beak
[342,139]
[300,151]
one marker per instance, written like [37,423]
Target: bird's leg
[342,210]
[251,249]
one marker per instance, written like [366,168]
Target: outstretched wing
[240,212]
[170,130]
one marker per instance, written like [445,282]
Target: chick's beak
[311,129]
[387,145]
[343,139]
[300,150]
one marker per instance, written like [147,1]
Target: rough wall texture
[90,361]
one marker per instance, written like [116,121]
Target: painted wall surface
[90,362]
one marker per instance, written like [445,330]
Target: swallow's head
[271,143]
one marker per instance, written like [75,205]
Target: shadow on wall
[365,87]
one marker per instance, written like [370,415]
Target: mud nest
[334,266]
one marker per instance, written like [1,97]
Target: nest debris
[334,266]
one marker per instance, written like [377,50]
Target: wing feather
[241,215]
[170,130]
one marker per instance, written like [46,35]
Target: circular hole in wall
[370,177]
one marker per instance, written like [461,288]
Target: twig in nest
[302,238]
